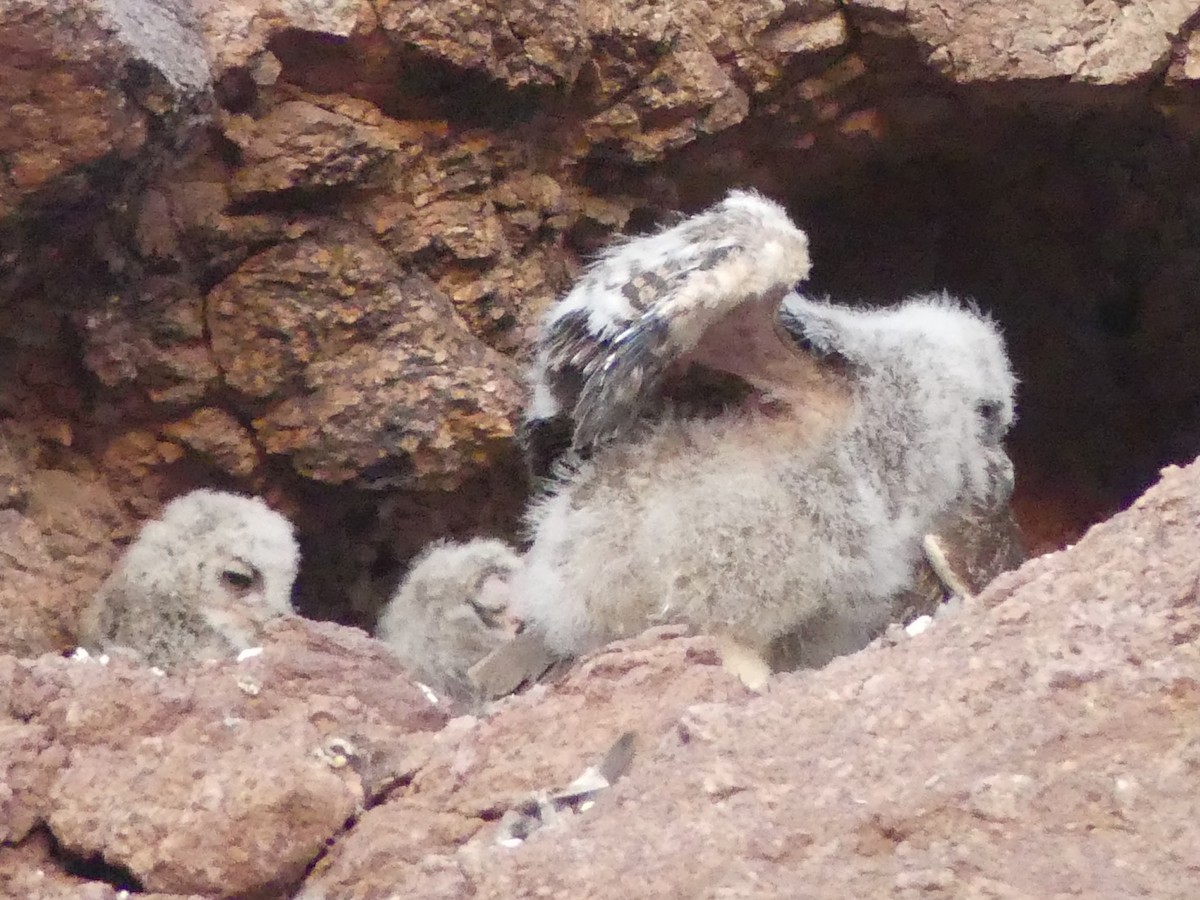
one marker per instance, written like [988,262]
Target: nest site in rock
[1066,211]
[1069,220]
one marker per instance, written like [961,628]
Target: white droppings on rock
[249,653]
[429,694]
[918,625]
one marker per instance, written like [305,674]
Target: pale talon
[744,662]
[935,553]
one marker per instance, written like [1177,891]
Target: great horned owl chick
[737,457]
[199,582]
[450,612]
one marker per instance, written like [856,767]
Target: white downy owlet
[724,452]
[199,582]
[449,612]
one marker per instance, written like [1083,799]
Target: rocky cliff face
[298,249]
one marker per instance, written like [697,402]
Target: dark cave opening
[93,868]
[401,79]
[356,544]
[1073,223]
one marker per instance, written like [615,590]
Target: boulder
[226,779]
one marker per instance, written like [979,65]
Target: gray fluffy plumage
[450,612]
[979,542]
[199,582]
[798,502]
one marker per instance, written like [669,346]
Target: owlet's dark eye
[989,412]
[240,579]
[489,617]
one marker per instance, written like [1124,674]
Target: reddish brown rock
[358,370]
[31,871]
[462,208]
[29,761]
[237,33]
[36,611]
[154,343]
[476,769]
[226,779]
[1099,43]
[55,534]
[62,103]
[663,77]
[528,42]
[217,436]
[300,145]
[222,810]
[1040,743]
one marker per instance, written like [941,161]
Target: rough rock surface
[30,871]
[288,246]
[298,249]
[1040,743]
[62,101]
[476,769]
[226,779]
[55,528]
[357,369]
[1108,42]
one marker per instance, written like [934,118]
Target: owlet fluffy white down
[718,450]
[199,582]
[727,453]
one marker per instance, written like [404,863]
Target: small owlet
[450,612]
[199,582]
[726,453]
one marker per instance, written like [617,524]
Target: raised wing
[646,305]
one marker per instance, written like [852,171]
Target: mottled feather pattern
[199,582]
[616,393]
[546,441]
[646,302]
[801,509]
[449,613]
[723,453]
[816,338]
